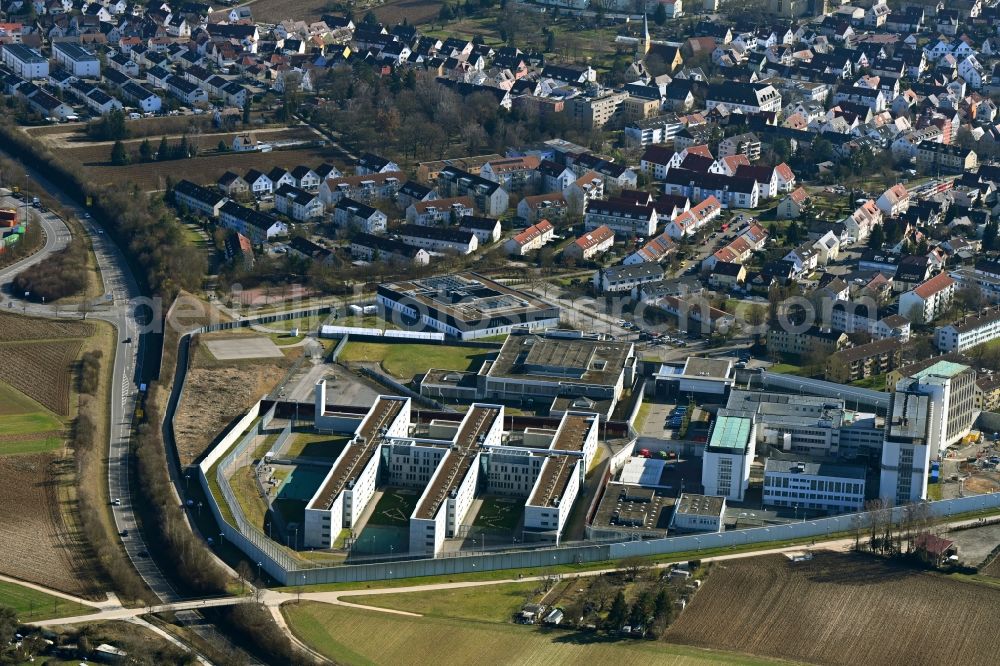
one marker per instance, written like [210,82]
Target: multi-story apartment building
[946,158]
[969,332]
[874,358]
[627,219]
[928,300]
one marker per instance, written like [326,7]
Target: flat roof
[572,432]
[464,298]
[456,464]
[708,368]
[700,505]
[941,369]
[815,468]
[579,360]
[355,456]
[731,432]
[552,480]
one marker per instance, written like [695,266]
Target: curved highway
[116,308]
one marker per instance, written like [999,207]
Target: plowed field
[842,609]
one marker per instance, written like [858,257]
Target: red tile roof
[932,286]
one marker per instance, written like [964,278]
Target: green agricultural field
[32,605]
[499,513]
[26,426]
[353,636]
[404,361]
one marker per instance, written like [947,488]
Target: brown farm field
[41,370]
[841,609]
[35,544]
[37,357]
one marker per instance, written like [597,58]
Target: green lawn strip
[406,360]
[316,445]
[640,418]
[32,605]
[353,636]
[495,603]
[245,489]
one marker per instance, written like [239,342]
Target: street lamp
[259,565]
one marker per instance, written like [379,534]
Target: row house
[591,244]
[297,203]
[382,186]
[184,90]
[202,200]
[740,248]
[488,196]
[860,223]
[629,220]
[654,251]
[348,213]
[530,239]
[691,221]
[439,211]
[369,247]
[258,227]
[141,97]
[438,239]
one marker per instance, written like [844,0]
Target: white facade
[814,487]
[726,464]
[77,60]
[968,334]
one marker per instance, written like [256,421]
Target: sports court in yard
[235,349]
[299,484]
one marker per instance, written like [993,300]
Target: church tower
[646,43]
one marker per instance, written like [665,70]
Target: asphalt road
[122,312]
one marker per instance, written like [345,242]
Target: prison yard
[406,361]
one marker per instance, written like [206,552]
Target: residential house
[591,244]
[369,247]
[928,300]
[626,277]
[351,213]
[297,204]
[486,229]
[863,361]
[439,211]
[628,220]
[368,188]
[793,204]
[198,199]
[530,239]
[258,227]
[438,239]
